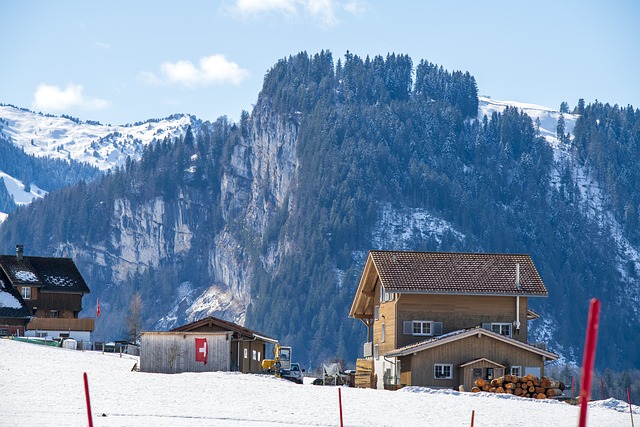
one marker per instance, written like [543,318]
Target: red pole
[86,393]
[340,405]
[473,414]
[588,358]
[630,408]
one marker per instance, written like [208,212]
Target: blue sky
[125,61]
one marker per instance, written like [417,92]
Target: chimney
[19,252]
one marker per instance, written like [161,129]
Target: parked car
[294,374]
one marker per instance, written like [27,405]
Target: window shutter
[486,326]
[437,328]
[407,327]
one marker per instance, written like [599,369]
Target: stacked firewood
[526,386]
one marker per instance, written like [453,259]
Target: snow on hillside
[548,117]
[103,146]
[17,190]
[53,394]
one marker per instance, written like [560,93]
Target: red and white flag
[98,310]
[202,350]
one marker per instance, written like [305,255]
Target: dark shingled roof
[457,273]
[50,274]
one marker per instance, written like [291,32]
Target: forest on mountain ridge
[369,133]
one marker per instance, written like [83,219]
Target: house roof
[11,303]
[464,333]
[223,324]
[452,273]
[482,359]
[49,274]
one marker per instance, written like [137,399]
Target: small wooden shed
[172,353]
[230,347]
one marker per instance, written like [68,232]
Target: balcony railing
[61,324]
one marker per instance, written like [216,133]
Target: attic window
[385,296]
[26,292]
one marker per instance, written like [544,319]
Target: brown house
[240,348]
[51,290]
[14,313]
[445,319]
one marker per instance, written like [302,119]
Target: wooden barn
[225,346]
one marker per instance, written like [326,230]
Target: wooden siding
[458,312]
[466,373]
[61,324]
[462,351]
[175,352]
[387,316]
[56,301]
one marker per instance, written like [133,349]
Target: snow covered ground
[43,386]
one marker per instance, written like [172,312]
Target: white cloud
[214,69]
[104,46]
[53,98]
[323,11]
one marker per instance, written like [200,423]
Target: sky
[119,62]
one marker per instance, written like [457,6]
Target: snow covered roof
[49,274]
[11,303]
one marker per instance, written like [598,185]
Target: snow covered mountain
[102,146]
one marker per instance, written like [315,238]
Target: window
[516,370]
[258,356]
[53,313]
[502,329]
[488,374]
[26,293]
[382,333]
[532,370]
[442,371]
[254,355]
[385,296]
[375,351]
[376,312]
[421,327]
[246,353]
[477,372]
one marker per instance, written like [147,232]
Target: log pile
[526,386]
[364,374]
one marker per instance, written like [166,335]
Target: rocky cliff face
[159,235]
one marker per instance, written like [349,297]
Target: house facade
[51,290]
[231,347]
[445,319]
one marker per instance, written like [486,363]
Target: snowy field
[43,386]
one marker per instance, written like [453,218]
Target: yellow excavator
[281,360]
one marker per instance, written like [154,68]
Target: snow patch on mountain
[17,189]
[402,228]
[102,146]
[547,117]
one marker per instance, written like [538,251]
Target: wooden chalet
[51,290]
[445,319]
[231,347]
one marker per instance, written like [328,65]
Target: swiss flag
[202,350]
[98,310]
